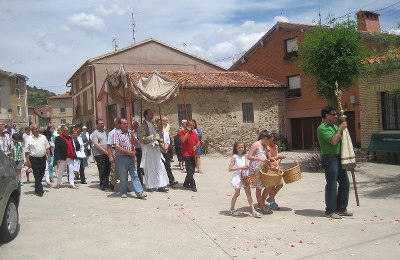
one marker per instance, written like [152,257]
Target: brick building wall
[371,88]
[269,58]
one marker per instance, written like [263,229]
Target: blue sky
[47,40]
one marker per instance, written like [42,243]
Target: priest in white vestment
[151,139]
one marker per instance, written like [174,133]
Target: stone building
[380,111]
[61,109]
[228,106]
[13,99]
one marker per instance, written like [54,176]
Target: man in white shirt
[37,151]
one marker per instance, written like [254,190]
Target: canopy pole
[141,112]
[187,119]
[107,108]
[159,110]
[123,92]
[129,101]
[184,103]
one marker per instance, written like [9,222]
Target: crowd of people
[144,154]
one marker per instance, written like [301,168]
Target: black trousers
[104,167]
[38,165]
[140,171]
[82,170]
[190,166]
[167,165]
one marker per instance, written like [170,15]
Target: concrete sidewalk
[89,223]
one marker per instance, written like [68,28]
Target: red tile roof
[220,79]
[65,95]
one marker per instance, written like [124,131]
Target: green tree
[38,96]
[333,52]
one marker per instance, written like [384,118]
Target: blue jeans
[336,198]
[125,165]
[51,166]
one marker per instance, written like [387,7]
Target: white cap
[84,127]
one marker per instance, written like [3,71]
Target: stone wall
[219,116]
[370,116]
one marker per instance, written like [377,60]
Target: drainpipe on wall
[95,92]
[26,105]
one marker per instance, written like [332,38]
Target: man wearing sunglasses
[337,181]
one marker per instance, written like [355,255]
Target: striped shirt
[124,140]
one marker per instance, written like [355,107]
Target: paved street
[89,223]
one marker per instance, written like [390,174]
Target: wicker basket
[271,176]
[249,179]
[292,173]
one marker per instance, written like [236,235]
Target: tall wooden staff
[343,117]
[187,119]
[129,114]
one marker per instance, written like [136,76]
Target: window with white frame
[63,121]
[248,112]
[17,93]
[294,86]
[19,111]
[291,49]
[390,104]
[62,110]
[291,45]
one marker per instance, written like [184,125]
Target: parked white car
[10,193]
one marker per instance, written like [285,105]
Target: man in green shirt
[330,140]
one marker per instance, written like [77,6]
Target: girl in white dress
[237,165]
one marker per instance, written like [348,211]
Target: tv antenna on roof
[115,43]
[133,29]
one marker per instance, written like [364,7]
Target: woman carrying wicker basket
[258,157]
[238,165]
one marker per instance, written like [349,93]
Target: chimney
[368,21]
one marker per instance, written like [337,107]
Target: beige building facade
[13,99]
[61,109]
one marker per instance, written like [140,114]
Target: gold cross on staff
[338,94]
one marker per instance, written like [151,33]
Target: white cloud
[114,10]
[88,23]
[281,19]
[394,31]
[42,41]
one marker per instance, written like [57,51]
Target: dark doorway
[304,132]
[111,115]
